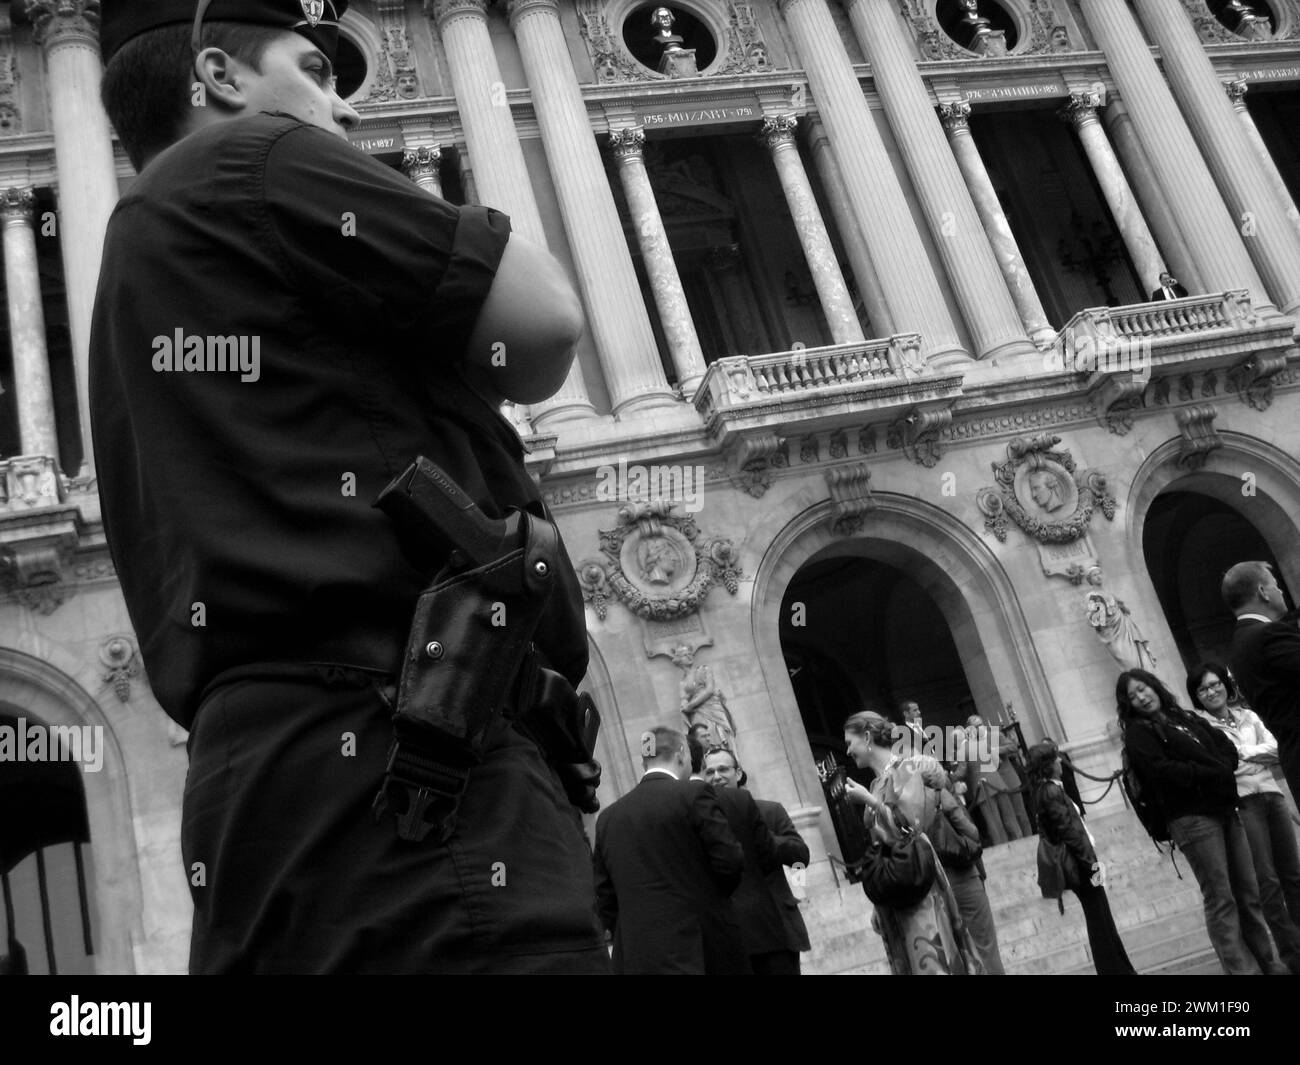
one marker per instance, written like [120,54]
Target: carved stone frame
[1040,452]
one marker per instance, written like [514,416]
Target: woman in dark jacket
[1060,822]
[1188,767]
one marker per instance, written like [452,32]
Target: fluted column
[421,166]
[1151,199]
[1237,96]
[837,305]
[864,270]
[34,394]
[1270,238]
[954,117]
[68,33]
[1211,232]
[1081,112]
[972,267]
[500,175]
[911,289]
[666,284]
[616,311]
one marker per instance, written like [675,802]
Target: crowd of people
[689,865]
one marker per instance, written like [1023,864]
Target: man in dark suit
[769,915]
[1169,288]
[666,863]
[1265,657]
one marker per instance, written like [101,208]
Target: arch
[949,561]
[369,40]
[616,758]
[50,694]
[1274,478]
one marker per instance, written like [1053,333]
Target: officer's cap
[317,20]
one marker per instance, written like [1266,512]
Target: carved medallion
[657,564]
[1039,489]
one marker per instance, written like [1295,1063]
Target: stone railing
[28,482]
[744,379]
[1168,318]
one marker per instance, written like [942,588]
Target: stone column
[665,282]
[1169,234]
[911,289]
[987,306]
[421,166]
[837,305]
[1081,112]
[1211,232]
[1237,95]
[864,270]
[1271,240]
[500,175]
[954,117]
[34,394]
[68,33]
[616,311]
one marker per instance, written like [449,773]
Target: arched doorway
[871,636]
[1189,540]
[923,552]
[44,850]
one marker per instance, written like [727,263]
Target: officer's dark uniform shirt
[238,511]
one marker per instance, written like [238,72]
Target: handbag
[953,848]
[1057,871]
[899,875]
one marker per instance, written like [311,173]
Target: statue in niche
[1115,627]
[664,19]
[701,702]
[976,25]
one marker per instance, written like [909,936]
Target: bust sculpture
[664,19]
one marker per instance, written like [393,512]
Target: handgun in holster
[470,666]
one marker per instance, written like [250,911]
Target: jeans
[1267,823]
[1109,957]
[973,905]
[1217,851]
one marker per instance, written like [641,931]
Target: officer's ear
[218,81]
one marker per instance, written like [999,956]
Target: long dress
[929,939]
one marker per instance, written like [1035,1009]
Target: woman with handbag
[1060,824]
[922,928]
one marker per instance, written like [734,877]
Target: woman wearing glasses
[1263,810]
[1188,767]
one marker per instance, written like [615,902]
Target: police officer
[282,324]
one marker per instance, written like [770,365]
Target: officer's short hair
[148,85]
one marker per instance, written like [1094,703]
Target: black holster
[470,668]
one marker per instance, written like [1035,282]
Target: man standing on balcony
[1169,289]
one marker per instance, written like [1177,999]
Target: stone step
[1050,920]
[1148,947]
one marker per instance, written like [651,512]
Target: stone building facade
[871,405]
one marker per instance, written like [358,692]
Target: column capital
[1081,108]
[422,161]
[17,206]
[445,11]
[517,9]
[56,22]
[628,143]
[778,131]
[955,116]
[1236,90]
